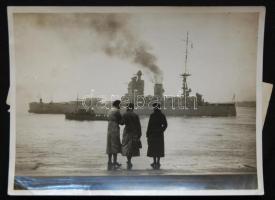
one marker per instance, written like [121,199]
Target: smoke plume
[115,37]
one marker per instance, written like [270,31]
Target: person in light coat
[113,135]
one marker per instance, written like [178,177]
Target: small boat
[83,115]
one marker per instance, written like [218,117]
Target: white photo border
[63,9]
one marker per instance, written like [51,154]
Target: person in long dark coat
[155,135]
[131,135]
[113,135]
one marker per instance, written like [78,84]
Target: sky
[60,56]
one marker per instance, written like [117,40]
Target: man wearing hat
[155,135]
[131,135]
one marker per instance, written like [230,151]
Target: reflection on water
[49,145]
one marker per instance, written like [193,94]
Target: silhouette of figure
[155,135]
[131,135]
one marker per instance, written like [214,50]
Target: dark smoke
[120,41]
[114,35]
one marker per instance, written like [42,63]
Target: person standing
[131,135]
[155,135]
[113,135]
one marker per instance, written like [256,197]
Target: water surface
[50,145]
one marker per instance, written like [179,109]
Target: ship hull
[211,110]
[50,108]
[214,110]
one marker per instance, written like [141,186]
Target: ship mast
[186,54]
[76,109]
[185,90]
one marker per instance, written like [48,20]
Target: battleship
[180,105]
[183,105]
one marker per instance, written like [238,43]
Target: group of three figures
[131,144]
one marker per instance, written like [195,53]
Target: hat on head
[156,105]
[116,103]
[130,106]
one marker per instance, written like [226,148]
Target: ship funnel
[158,90]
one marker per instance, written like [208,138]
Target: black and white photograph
[136,100]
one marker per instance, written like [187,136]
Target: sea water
[50,145]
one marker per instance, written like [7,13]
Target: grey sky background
[58,56]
